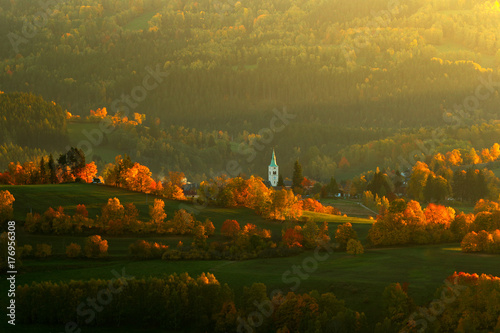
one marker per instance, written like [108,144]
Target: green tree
[418,180]
[281,183]
[52,170]
[74,159]
[379,184]
[397,302]
[42,178]
[354,247]
[297,178]
[332,187]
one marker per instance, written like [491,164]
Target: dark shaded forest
[363,87]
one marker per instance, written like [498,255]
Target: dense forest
[362,87]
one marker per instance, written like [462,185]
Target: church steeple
[273,160]
[273,171]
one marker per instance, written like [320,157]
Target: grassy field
[349,207]
[76,132]
[485,60]
[141,22]
[359,280]
[38,198]
[496,171]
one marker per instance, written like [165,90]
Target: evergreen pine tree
[281,183]
[333,187]
[297,177]
[43,172]
[52,170]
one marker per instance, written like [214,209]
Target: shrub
[96,247]
[293,237]
[6,204]
[230,228]
[355,247]
[26,251]
[43,250]
[146,250]
[344,233]
[73,250]
[209,227]
[482,241]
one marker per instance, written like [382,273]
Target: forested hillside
[361,85]
[28,126]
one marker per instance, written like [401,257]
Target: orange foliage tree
[158,215]
[292,237]
[6,206]
[284,205]
[88,172]
[482,241]
[138,178]
[344,233]
[96,247]
[230,228]
[405,223]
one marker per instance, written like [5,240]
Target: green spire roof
[273,161]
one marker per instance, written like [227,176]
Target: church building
[273,171]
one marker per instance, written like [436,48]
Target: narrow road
[371,210]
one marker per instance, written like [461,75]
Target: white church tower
[273,171]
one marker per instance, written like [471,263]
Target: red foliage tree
[230,228]
[293,237]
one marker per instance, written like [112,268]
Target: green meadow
[141,22]
[359,280]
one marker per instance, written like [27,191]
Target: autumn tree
[6,207]
[73,250]
[80,219]
[418,180]
[177,178]
[112,215]
[138,178]
[200,236]
[81,210]
[354,247]
[293,237]
[183,222]
[96,247]
[439,215]
[284,205]
[209,227]
[157,211]
[343,233]
[87,173]
[115,174]
[43,250]
[230,228]
[173,192]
